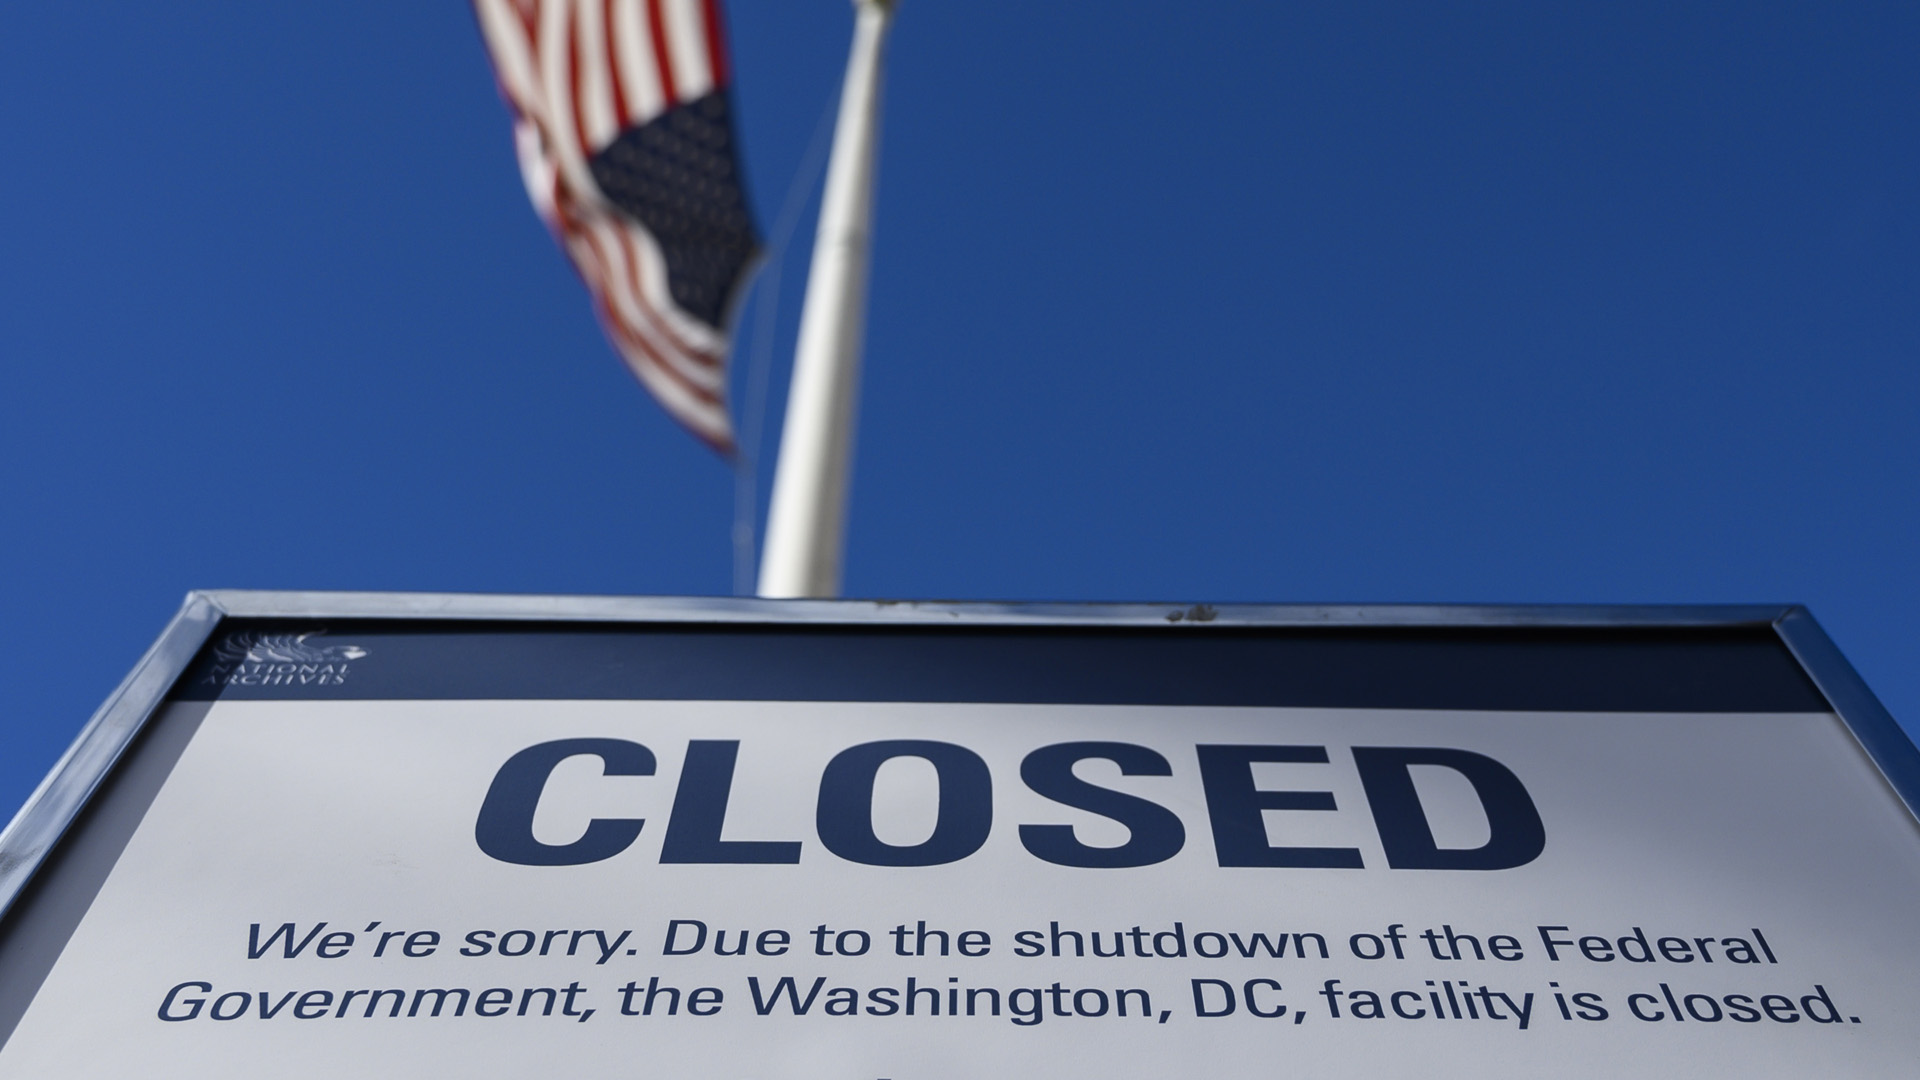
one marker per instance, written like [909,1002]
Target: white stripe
[512,58]
[624,298]
[596,82]
[586,260]
[639,75]
[687,44]
[569,157]
[704,417]
[653,285]
[536,169]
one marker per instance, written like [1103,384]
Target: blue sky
[1588,302]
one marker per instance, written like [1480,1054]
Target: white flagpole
[807,519]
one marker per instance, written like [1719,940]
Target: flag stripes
[582,75]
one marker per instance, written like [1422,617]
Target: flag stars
[677,176]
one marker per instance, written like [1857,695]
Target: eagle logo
[258,648]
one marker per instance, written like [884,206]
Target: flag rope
[766,301]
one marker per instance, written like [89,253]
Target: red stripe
[527,18]
[529,12]
[613,68]
[723,447]
[662,56]
[573,80]
[716,44]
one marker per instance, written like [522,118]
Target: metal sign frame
[59,800]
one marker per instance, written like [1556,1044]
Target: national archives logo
[249,658]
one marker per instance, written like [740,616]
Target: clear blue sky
[1588,302]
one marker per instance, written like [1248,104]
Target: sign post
[440,836]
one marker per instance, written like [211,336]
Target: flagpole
[806,521]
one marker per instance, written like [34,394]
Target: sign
[333,837]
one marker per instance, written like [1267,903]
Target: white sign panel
[437,885]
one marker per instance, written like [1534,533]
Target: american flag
[625,137]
